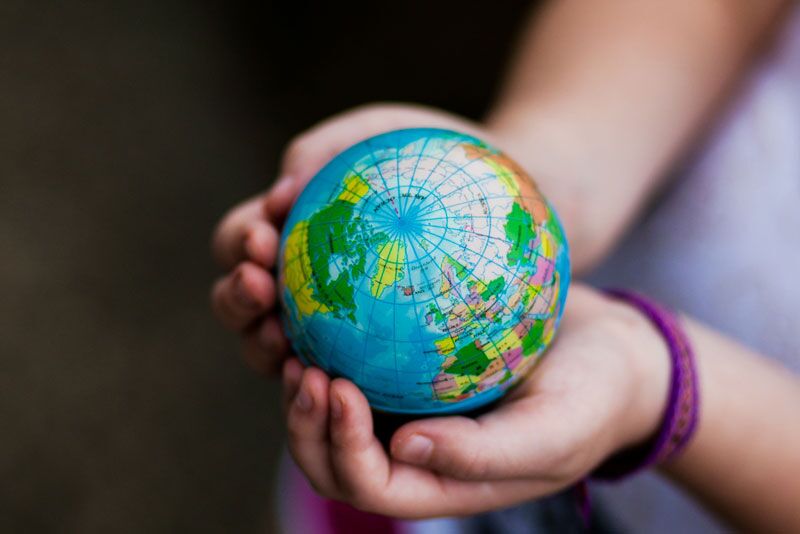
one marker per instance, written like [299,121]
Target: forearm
[744,461]
[604,94]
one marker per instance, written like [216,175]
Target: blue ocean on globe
[425,266]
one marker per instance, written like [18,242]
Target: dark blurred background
[126,129]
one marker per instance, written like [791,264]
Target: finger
[261,244]
[307,425]
[414,493]
[520,439]
[369,480]
[239,298]
[279,199]
[266,346]
[292,375]
[359,462]
[244,233]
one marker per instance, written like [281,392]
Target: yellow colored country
[354,189]
[297,272]
[505,175]
[390,260]
[445,346]
[547,245]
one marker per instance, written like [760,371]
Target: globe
[425,266]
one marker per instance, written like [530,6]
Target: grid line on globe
[426,267]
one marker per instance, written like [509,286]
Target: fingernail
[416,449]
[304,401]
[337,406]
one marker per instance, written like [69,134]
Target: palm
[548,433]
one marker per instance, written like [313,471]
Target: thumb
[454,446]
[520,439]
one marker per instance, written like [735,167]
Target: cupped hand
[245,243]
[600,388]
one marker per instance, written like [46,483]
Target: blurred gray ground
[126,129]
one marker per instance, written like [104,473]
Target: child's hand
[246,241]
[601,387]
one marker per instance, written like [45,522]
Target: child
[604,96]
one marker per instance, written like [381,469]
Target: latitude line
[424,208]
[516,316]
[446,324]
[476,320]
[462,168]
[416,165]
[498,265]
[428,368]
[322,204]
[491,173]
[436,166]
[377,165]
[496,197]
[397,178]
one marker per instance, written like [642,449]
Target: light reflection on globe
[426,267]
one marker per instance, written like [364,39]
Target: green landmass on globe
[425,266]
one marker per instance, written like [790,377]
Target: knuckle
[321,489]
[368,503]
[561,464]
[257,359]
[295,431]
[471,463]
[216,242]
[214,295]
[294,151]
[347,444]
[219,304]
[372,109]
[360,493]
[218,233]
[223,232]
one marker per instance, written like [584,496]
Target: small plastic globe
[425,266]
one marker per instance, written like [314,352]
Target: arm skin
[744,461]
[605,94]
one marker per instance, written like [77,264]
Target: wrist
[646,355]
[677,420]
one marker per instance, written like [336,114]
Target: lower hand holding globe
[424,266]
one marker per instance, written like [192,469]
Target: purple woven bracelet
[682,410]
